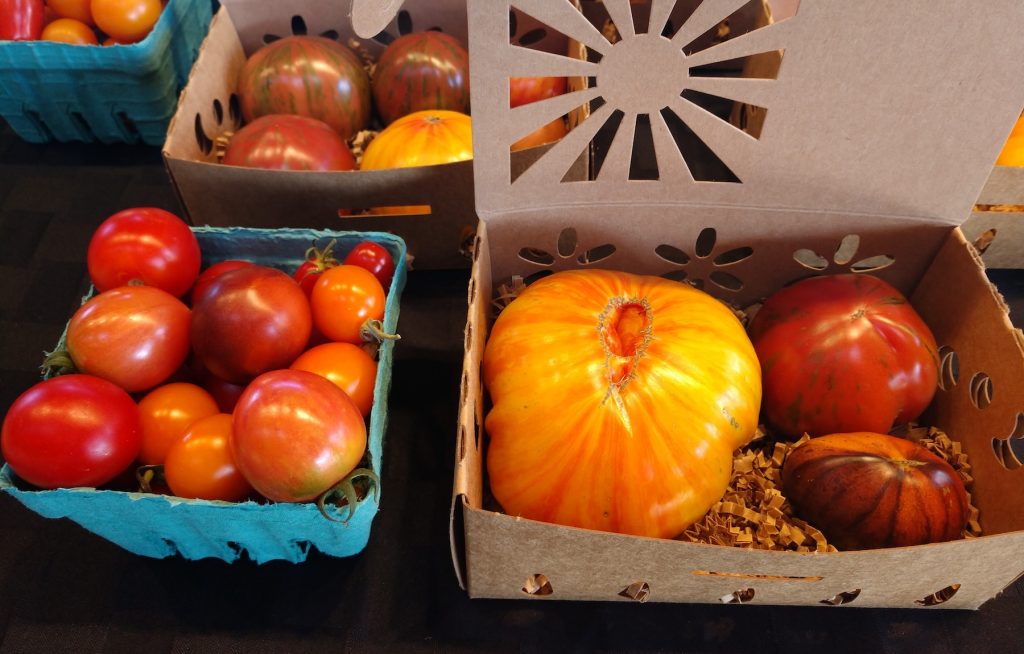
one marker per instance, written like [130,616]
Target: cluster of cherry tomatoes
[79,22]
[239,382]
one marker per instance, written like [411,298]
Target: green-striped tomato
[309,76]
[420,71]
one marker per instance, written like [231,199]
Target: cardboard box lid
[878,108]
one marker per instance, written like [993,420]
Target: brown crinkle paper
[754,514]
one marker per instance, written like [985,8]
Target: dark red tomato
[69,431]
[421,71]
[375,258]
[524,90]
[843,353]
[145,245]
[200,465]
[344,299]
[295,435]
[285,142]
[348,366]
[224,393]
[248,321]
[21,20]
[309,76]
[133,336]
[316,262]
[213,272]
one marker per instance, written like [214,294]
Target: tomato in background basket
[249,321]
[289,142]
[166,413]
[348,366]
[375,258]
[146,245]
[200,464]
[69,30]
[553,131]
[344,300]
[310,76]
[126,21]
[421,71]
[21,20]
[80,10]
[843,353]
[133,336]
[70,431]
[295,435]
[524,90]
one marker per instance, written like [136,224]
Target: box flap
[370,17]
[874,109]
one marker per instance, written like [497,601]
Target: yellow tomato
[126,21]
[78,9]
[551,132]
[69,30]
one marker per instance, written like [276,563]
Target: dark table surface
[62,589]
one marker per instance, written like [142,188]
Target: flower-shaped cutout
[1009,450]
[299,28]
[565,255]
[841,260]
[703,268]
[683,113]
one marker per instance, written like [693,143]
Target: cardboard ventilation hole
[855,143]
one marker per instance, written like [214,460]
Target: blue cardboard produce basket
[160,526]
[125,93]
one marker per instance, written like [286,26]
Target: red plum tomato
[249,321]
[843,353]
[295,435]
[144,245]
[133,336]
[70,431]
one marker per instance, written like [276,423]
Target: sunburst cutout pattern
[844,259]
[683,110]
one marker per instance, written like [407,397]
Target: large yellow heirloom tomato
[618,401]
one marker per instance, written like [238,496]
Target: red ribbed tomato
[424,138]
[866,490]
[843,353]
[310,76]
[287,142]
[419,71]
[618,402]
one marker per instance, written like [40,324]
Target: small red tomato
[166,413]
[146,245]
[211,273]
[295,435]
[375,258]
[133,336]
[343,300]
[316,262]
[21,20]
[348,366]
[200,465]
[69,431]
[224,393]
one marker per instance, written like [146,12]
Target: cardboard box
[159,526]
[998,219]
[852,170]
[219,195]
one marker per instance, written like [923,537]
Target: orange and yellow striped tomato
[618,401]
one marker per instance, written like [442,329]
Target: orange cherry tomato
[80,10]
[69,30]
[167,412]
[550,132]
[343,300]
[348,366]
[200,465]
[126,21]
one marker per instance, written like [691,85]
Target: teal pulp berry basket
[159,526]
[108,94]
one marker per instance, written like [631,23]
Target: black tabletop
[62,589]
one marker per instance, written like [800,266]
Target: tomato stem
[58,362]
[625,329]
[373,330]
[347,489]
[146,475]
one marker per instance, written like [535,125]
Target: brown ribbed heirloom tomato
[618,402]
[309,76]
[419,71]
[289,142]
[866,490]
[843,353]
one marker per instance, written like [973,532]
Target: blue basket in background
[109,94]
[159,526]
